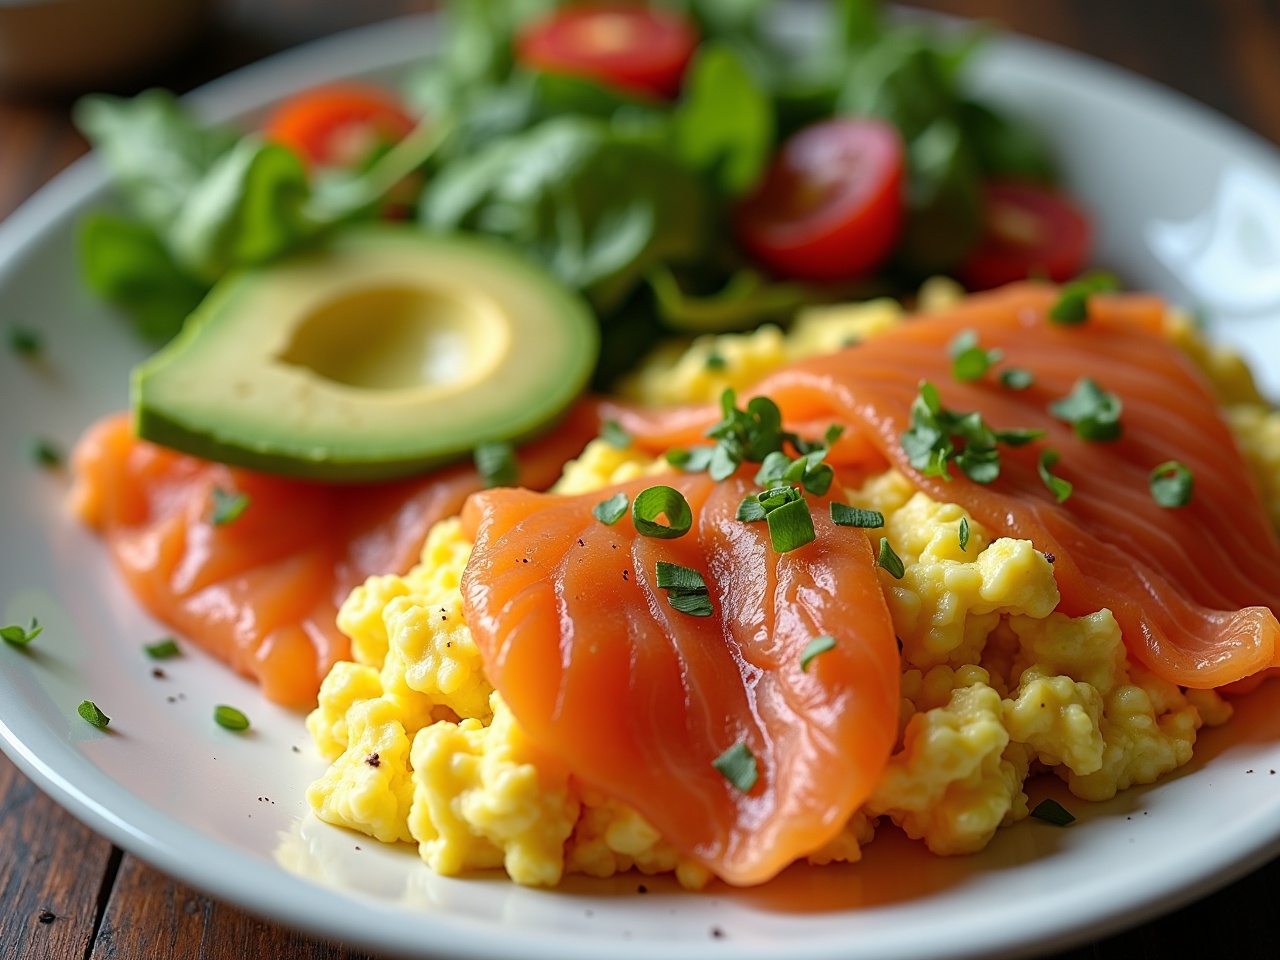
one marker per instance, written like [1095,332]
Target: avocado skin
[411,452]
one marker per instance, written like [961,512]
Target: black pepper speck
[47,916]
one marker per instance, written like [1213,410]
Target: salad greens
[625,198]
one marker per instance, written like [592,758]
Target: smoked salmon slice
[262,592]
[640,699]
[1195,589]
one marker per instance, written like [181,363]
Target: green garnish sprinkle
[1015,378]
[44,454]
[1051,811]
[843,515]
[611,432]
[1172,485]
[24,342]
[715,362]
[1061,489]
[90,713]
[21,636]
[808,470]
[969,361]
[611,511]
[816,646]
[938,436]
[964,533]
[162,649]
[890,560]
[229,718]
[1072,307]
[659,501]
[790,525]
[686,589]
[228,506]
[1092,412]
[496,464]
[738,766]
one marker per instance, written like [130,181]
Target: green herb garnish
[162,649]
[751,510]
[24,342]
[813,648]
[1072,307]
[890,560]
[1092,412]
[843,515]
[715,362]
[21,636]
[1061,489]
[1051,811]
[938,436]
[808,470]
[227,506]
[659,501]
[738,766]
[44,454]
[969,361]
[496,464]
[1015,378]
[686,589]
[790,525]
[964,533]
[611,511]
[690,461]
[1172,485]
[611,432]
[229,718]
[90,713]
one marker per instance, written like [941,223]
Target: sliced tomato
[624,45]
[831,205]
[339,126]
[1029,231]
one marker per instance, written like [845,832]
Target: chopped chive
[1172,485]
[496,464]
[229,718]
[21,636]
[715,362]
[890,560]
[1015,378]
[659,501]
[969,361]
[90,713]
[611,432]
[611,511]
[227,506]
[686,589]
[791,526]
[813,648]
[162,649]
[964,533]
[843,515]
[1093,413]
[44,454]
[738,766]
[1072,307]
[23,342]
[1051,811]
[1061,489]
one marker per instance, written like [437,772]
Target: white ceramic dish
[1179,193]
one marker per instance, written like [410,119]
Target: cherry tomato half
[339,126]
[627,46]
[1029,231]
[831,206]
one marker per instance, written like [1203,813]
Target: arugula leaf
[1005,147]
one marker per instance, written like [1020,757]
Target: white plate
[1179,193]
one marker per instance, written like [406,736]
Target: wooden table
[65,892]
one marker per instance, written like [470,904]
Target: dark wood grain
[1224,53]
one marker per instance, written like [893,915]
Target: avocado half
[384,354]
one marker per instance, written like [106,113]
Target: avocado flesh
[386,354]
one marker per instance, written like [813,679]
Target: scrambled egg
[996,686]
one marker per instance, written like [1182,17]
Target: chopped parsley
[1015,378]
[963,533]
[1172,485]
[815,647]
[21,636]
[229,718]
[738,766]
[686,589]
[659,501]
[1072,307]
[496,464]
[1092,412]
[1061,489]
[227,506]
[843,515]
[90,713]
[938,436]
[23,342]
[890,560]
[611,432]
[162,649]
[969,361]
[690,461]
[44,454]
[611,511]
[1051,811]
